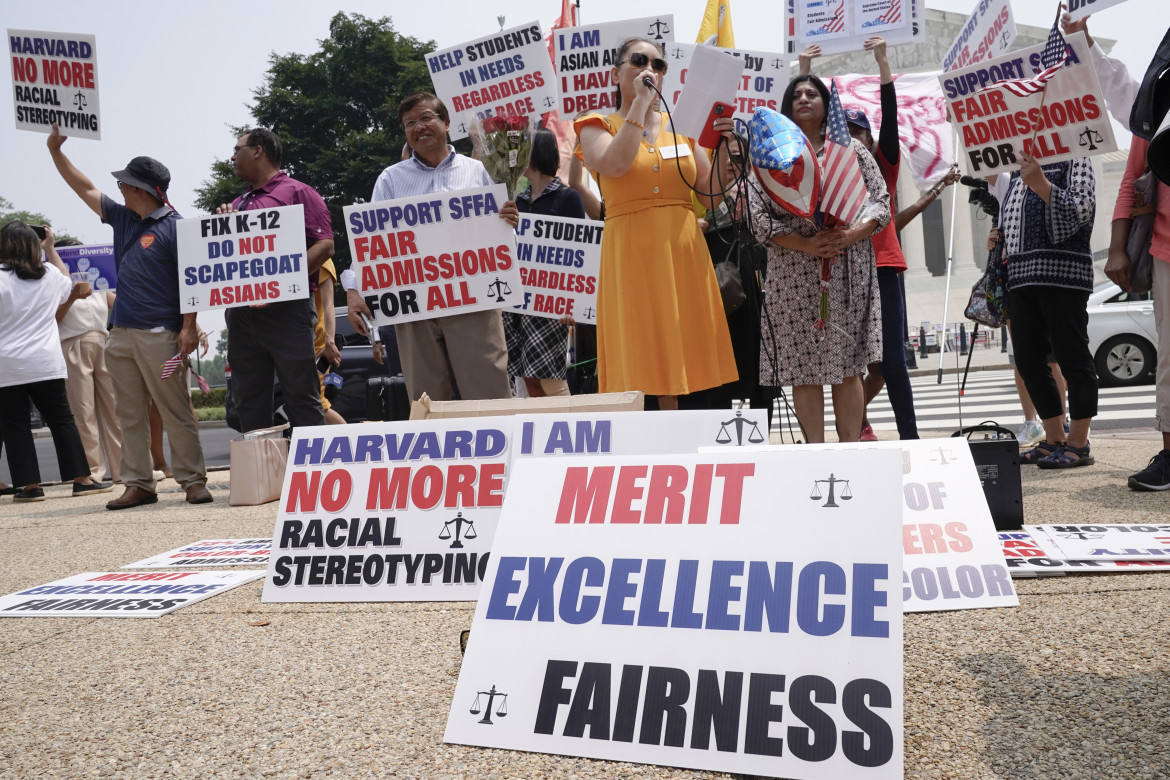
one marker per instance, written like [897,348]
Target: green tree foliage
[8,213]
[336,112]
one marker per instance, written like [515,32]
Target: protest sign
[765,75]
[585,57]
[1031,553]
[503,74]
[999,110]
[242,258]
[988,33]
[1108,542]
[54,79]
[95,263]
[1079,9]
[210,552]
[844,25]
[559,260]
[121,594]
[434,255]
[694,611]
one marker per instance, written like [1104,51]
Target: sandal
[1067,457]
[1039,452]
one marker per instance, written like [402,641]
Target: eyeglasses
[425,119]
[640,60]
[237,149]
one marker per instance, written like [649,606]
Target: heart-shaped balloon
[784,162]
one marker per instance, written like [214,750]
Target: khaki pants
[134,359]
[91,397]
[467,347]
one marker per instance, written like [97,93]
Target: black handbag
[1141,231]
[730,280]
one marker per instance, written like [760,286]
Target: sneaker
[1155,476]
[32,494]
[867,434]
[1031,434]
[88,488]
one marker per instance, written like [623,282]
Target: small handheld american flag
[172,365]
[842,186]
[1052,59]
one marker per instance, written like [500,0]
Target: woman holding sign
[660,322]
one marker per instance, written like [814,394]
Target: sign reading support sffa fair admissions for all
[54,78]
[434,255]
[242,258]
[694,611]
[121,593]
[503,74]
[1000,112]
[586,56]
[209,552]
[560,259]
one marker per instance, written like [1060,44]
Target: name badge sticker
[670,152]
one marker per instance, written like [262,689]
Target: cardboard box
[424,408]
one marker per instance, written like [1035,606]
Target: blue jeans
[894,354]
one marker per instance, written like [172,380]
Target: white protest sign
[711,77]
[1030,553]
[693,611]
[844,25]
[54,79]
[765,75]
[503,74]
[434,255]
[1109,542]
[121,594]
[1064,121]
[1079,9]
[560,259]
[209,552]
[988,33]
[586,55]
[242,258]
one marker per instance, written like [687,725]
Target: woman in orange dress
[660,322]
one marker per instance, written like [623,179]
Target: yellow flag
[716,27]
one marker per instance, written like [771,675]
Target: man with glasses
[466,352]
[148,328]
[276,337]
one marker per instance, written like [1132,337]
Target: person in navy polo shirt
[147,327]
[276,337]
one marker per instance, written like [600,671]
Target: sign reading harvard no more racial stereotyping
[559,259]
[54,78]
[242,258]
[694,611]
[434,255]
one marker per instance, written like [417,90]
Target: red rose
[518,122]
[493,124]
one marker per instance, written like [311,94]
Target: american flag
[1052,59]
[171,366]
[893,14]
[842,187]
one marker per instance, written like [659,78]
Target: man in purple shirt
[276,337]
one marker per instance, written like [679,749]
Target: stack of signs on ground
[209,552]
[953,558]
[696,611]
[1087,549]
[407,511]
[121,594]
[54,79]
[585,57]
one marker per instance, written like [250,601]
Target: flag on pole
[561,127]
[842,186]
[1052,59]
[568,18]
[716,27]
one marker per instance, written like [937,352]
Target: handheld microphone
[970,181]
[648,81]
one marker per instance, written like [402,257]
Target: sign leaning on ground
[121,594]
[694,611]
[209,552]
[95,263]
[988,33]
[54,79]
[585,57]
[559,260]
[242,259]
[1108,542]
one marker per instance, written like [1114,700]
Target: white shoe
[158,475]
[1031,434]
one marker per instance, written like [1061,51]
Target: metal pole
[942,347]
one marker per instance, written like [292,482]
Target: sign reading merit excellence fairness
[121,594]
[695,611]
[54,79]
[559,261]
[434,255]
[242,258]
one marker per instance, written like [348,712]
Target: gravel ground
[1075,683]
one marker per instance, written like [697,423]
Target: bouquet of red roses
[502,144]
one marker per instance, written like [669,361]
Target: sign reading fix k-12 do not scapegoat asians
[434,255]
[695,611]
[242,258]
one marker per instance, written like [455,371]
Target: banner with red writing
[55,80]
[586,56]
[560,259]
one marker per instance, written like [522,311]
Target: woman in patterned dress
[794,349]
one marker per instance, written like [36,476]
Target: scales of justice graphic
[500,288]
[501,711]
[832,482]
[459,521]
[740,422]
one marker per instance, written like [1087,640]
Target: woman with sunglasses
[660,322]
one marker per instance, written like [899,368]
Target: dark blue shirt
[557,200]
[146,258]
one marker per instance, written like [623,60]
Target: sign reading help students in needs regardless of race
[242,258]
[434,255]
[586,56]
[1000,111]
[503,74]
[209,552]
[1109,542]
[94,264]
[765,75]
[54,79]
[695,611]
[988,33]
[1031,553]
[559,260]
[121,593]
[844,25]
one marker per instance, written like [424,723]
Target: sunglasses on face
[640,60]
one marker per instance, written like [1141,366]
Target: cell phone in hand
[710,136]
[39,230]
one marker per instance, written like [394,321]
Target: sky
[173,77]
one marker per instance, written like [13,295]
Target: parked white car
[1122,336]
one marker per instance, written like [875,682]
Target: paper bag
[257,461]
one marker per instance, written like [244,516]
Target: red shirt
[885,242]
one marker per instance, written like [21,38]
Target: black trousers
[16,429]
[1056,316]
